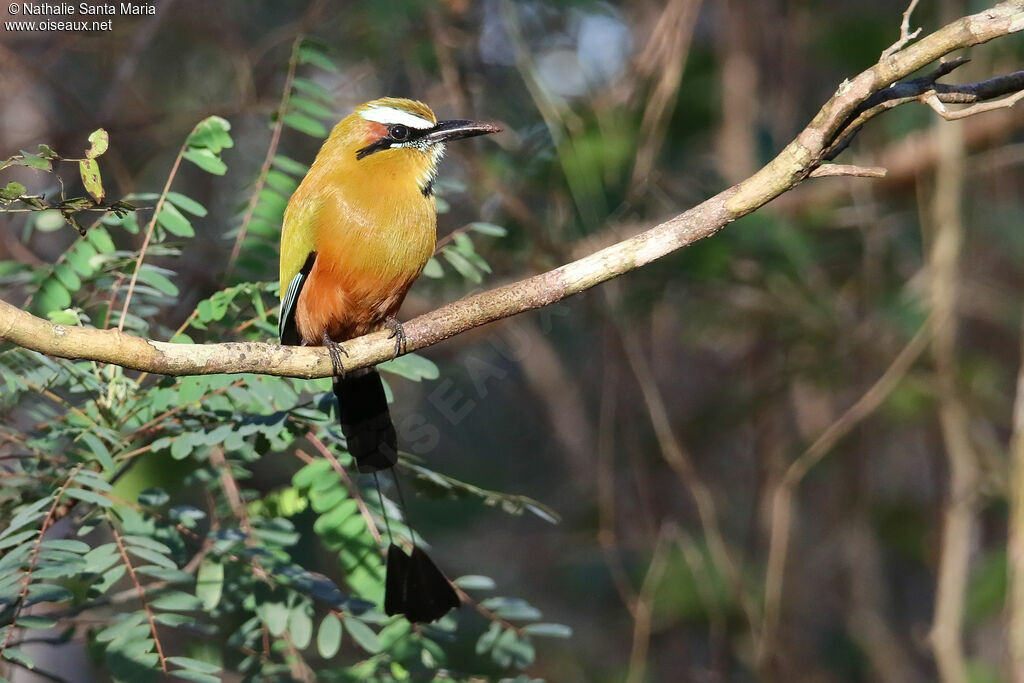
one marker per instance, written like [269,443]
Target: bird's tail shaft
[414,586]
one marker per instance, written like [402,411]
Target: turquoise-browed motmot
[357,232]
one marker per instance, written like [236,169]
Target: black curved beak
[456,129]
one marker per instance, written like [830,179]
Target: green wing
[297,257]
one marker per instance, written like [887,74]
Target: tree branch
[856,101]
[906,35]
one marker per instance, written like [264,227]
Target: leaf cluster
[130,510]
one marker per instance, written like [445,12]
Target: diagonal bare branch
[845,111]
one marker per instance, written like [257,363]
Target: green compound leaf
[462,265]
[300,626]
[186,204]
[36,161]
[153,556]
[197,676]
[363,636]
[311,54]
[305,124]
[175,221]
[16,655]
[36,622]
[488,229]
[548,630]
[412,366]
[312,108]
[176,601]
[90,172]
[194,665]
[211,133]
[90,497]
[433,269]
[313,89]
[206,160]
[328,638]
[12,191]
[210,583]
[304,478]
[66,544]
[473,582]
[487,639]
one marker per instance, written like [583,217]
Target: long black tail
[365,420]
[414,586]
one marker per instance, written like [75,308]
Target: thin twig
[441,243]
[933,101]
[959,518]
[275,138]
[663,60]
[47,521]
[350,485]
[486,613]
[159,419]
[830,170]
[644,610]
[296,664]
[229,485]
[36,671]
[1015,632]
[680,461]
[141,591]
[782,499]
[705,576]
[605,485]
[149,233]
[905,35]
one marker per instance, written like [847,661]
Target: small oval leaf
[90,172]
[99,141]
[328,638]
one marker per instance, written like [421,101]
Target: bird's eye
[398,132]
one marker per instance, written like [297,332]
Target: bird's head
[398,138]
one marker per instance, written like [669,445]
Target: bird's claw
[335,350]
[398,334]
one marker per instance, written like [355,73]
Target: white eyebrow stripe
[390,115]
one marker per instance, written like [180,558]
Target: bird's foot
[398,334]
[336,350]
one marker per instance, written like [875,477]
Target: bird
[357,232]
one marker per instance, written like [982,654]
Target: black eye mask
[397,135]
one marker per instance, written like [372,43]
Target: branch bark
[830,130]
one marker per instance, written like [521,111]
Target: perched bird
[357,232]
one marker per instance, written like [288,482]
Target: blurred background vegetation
[659,414]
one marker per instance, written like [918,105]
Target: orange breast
[370,248]
[346,304]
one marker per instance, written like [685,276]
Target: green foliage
[70,209]
[205,143]
[306,107]
[130,502]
